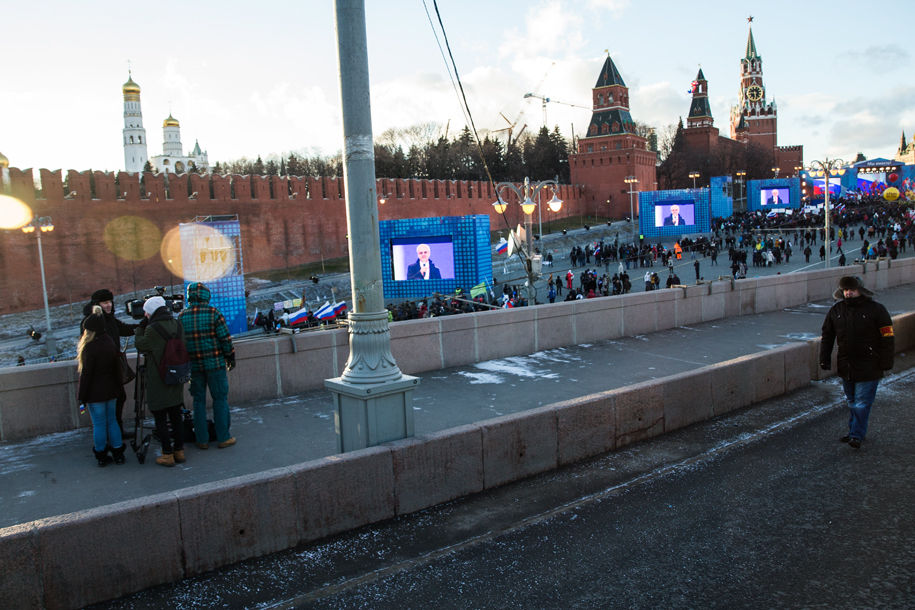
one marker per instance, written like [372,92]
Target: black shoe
[845,439]
[854,443]
[103,458]
[119,454]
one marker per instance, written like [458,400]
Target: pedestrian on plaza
[99,369]
[164,400]
[115,329]
[209,345]
[807,253]
[863,330]
[696,267]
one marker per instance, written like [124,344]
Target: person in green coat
[165,401]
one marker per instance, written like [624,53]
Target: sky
[248,79]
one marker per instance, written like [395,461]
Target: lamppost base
[368,415]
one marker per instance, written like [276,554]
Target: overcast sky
[248,79]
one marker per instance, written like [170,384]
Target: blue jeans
[860,396]
[105,428]
[218,382]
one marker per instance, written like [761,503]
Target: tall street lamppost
[630,180]
[373,399]
[825,169]
[775,171]
[524,195]
[694,175]
[741,177]
[43,225]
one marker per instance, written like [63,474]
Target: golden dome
[130,86]
[4,162]
[171,121]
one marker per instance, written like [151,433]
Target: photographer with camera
[209,345]
[115,329]
[165,400]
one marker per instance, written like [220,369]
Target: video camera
[134,307]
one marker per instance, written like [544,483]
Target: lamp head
[499,206]
[528,206]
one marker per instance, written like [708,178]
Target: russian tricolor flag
[329,311]
[297,317]
[502,248]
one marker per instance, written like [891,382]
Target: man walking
[209,345]
[863,330]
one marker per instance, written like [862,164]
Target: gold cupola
[171,121]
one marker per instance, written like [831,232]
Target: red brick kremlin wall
[285,221]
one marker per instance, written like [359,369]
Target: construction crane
[544,100]
[510,129]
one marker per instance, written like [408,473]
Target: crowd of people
[750,239]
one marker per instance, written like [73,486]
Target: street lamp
[775,171]
[694,175]
[797,169]
[524,195]
[825,169]
[630,180]
[44,225]
[741,176]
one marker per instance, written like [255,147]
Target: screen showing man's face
[674,210]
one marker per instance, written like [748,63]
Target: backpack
[175,366]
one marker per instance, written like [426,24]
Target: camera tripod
[142,434]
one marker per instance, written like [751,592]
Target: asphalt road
[763,508]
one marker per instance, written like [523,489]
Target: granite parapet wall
[285,222]
[47,563]
[286,365]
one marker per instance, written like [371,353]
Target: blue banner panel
[422,256]
[772,194]
[722,194]
[670,214]
[211,253]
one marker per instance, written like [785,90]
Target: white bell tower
[135,155]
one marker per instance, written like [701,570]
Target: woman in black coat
[99,387]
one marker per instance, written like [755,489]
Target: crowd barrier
[41,399]
[50,563]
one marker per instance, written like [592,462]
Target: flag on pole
[328,311]
[297,317]
[478,290]
[502,247]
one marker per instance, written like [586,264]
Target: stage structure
[670,214]
[422,256]
[211,253]
[722,196]
[773,194]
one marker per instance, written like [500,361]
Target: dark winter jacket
[114,327]
[152,345]
[100,379]
[863,330]
[209,342]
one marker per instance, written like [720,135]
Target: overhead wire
[462,99]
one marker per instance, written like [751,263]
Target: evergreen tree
[147,167]
[271,169]
[257,168]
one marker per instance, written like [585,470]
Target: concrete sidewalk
[56,474]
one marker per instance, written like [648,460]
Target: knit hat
[102,295]
[851,282]
[95,323]
[152,304]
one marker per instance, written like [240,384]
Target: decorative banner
[893,177]
[891,194]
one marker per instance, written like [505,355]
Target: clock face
[754,93]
